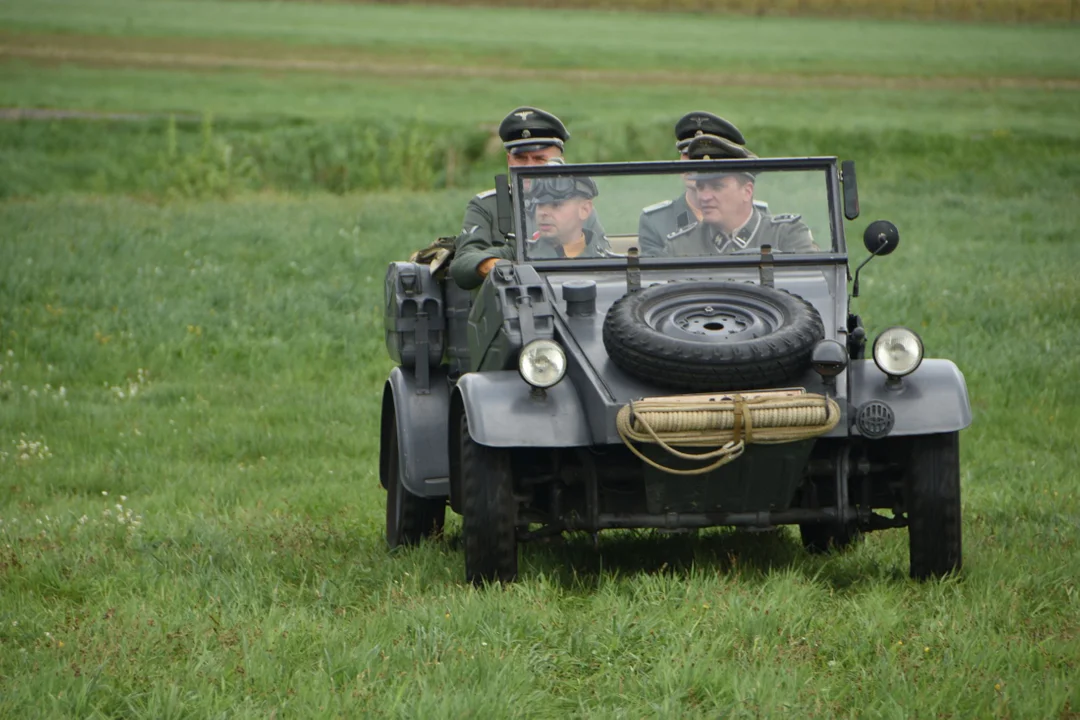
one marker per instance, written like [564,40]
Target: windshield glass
[715,210]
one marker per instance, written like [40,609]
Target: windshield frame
[828,164]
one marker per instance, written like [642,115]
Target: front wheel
[409,518]
[489,516]
[933,505]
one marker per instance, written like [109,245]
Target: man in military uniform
[531,136]
[670,216]
[730,220]
[562,208]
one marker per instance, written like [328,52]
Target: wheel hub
[713,320]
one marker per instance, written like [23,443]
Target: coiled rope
[727,423]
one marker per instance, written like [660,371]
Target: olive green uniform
[786,233]
[480,239]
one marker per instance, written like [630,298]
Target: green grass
[536,38]
[258,578]
[215,366]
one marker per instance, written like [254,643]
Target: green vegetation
[191,325]
[403,37]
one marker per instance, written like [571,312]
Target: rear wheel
[409,518]
[490,510]
[933,506]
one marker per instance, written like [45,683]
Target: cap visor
[519,146]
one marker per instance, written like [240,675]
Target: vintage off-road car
[690,374]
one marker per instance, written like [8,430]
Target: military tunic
[480,239]
[596,246]
[786,233]
[669,219]
[660,220]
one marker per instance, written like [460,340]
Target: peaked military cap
[528,128]
[713,147]
[554,188]
[697,123]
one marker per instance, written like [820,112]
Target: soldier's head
[698,124]
[532,136]
[562,204]
[726,199]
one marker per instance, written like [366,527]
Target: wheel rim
[711,318]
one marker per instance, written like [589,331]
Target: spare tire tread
[742,363]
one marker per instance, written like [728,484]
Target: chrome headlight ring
[898,351]
[542,363]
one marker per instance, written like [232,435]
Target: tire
[821,538]
[409,518]
[712,336]
[933,506]
[490,511]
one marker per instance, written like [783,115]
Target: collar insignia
[681,231]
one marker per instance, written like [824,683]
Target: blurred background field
[198,200]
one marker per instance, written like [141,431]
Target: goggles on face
[556,188]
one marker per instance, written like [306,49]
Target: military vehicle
[592,385]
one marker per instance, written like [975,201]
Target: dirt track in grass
[213,55]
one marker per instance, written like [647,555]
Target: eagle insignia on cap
[524,115]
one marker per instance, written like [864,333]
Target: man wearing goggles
[730,220]
[531,136]
[671,217]
[562,206]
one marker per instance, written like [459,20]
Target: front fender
[933,399]
[421,430]
[503,412]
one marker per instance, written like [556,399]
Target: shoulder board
[785,218]
[485,194]
[680,231]
[657,206]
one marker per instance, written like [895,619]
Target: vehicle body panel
[931,400]
[421,427]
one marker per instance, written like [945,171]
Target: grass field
[191,360]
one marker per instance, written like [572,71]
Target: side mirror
[881,237]
[851,189]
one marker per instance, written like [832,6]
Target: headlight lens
[542,363]
[898,351]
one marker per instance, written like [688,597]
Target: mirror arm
[855,285]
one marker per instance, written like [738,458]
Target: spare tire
[701,335]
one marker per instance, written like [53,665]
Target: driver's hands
[485,266]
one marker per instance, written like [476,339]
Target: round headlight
[542,363]
[898,351]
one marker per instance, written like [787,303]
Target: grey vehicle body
[458,353]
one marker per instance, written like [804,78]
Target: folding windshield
[691,209]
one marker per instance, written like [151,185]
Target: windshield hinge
[633,270]
[765,268]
